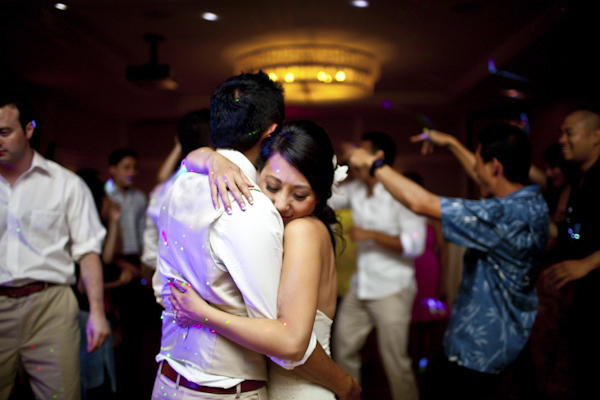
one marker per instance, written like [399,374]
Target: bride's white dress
[284,384]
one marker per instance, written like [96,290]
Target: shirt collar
[241,161]
[40,162]
[527,191]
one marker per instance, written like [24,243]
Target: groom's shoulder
[189,189]
[261,211]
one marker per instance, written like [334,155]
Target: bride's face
[287,188]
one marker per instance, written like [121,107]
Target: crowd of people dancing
[232,261]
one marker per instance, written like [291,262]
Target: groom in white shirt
[233,261]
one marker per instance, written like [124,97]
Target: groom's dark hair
[242,108]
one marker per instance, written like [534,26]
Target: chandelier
[313,73]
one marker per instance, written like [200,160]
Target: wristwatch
[376,164]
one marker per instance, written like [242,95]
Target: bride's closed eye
[299,197]
[271,188]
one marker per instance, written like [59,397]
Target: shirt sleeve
[340,198]
[140,219]
[257,237]
[150,249]
[472,223]
[286,364]
[413,233]
[85,229]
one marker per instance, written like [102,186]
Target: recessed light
[360,3]
[60,6]
[210,16]
[514,93]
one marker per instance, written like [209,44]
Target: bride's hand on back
[226,175]
[223,175]
[188,307]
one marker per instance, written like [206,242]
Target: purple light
[386,104]
[492,66]
[435,306]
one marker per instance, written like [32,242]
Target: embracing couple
[239,282]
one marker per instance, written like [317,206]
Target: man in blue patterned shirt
[505,233]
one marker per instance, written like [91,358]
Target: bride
[296,173]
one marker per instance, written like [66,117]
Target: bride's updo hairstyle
[307,147]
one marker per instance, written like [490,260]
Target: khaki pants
[391,317]
[42,331]
[164,388]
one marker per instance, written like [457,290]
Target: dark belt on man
[246,386]
[24,290]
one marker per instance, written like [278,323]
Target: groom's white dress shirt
[233,261]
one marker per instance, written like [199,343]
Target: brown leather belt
[170,373]
[24,290]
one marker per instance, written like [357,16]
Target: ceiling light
[312,73]
[210,16]
[60,6]
[514,93]
[360,3]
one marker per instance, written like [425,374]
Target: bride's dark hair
[306,146]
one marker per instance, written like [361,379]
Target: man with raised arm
[389,237]
[505,232]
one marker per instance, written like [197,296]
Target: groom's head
[242,108]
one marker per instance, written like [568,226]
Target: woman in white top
[296,172]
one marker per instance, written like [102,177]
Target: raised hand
[431,137]
[360,158]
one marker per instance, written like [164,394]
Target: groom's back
[233,261]
[196,248]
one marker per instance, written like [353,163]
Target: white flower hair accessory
[340,172]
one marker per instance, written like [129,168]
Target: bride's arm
[223,174]
[288,336]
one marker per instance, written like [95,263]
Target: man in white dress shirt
[48,221]
[192,133]
[389,237]
[119,188]
[233,261]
